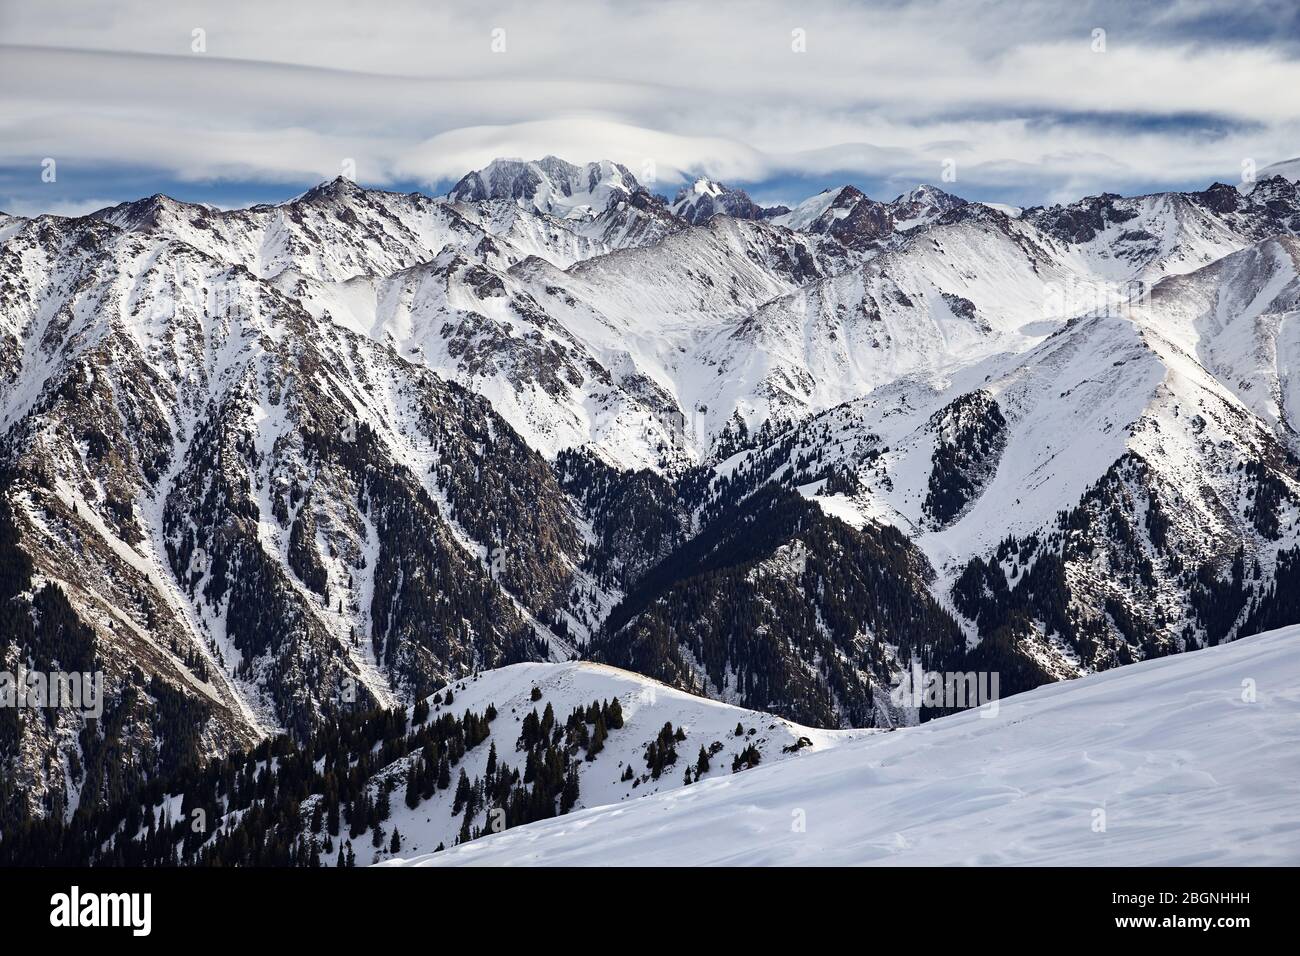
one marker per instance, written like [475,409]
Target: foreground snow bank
[1191,759]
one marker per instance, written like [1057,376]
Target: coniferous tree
[749,757]
[598,735]
[413,785]
[462,793]
[569,796]
[615,719]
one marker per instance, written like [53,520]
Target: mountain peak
[921,205]
[549,185]
[338,187]
[149,212]
[703,199]
[821,212]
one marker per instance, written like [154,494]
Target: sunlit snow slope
[1183,767]
[646,705]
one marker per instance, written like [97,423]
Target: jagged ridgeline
[265,469]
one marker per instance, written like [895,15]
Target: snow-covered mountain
[703,199]
[859,222]
[270,466]
[549,185]
[1157,764]
[488,752]
[922,205]
[1125,487]
[846,214]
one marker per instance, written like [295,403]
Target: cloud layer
[1030,102]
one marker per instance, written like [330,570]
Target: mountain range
[273,468]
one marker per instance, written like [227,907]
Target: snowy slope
[646,704]
[1184,769]
[965,290]
[1110,238]
[1239,317]
[1070,404]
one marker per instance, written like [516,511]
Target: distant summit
[549,185]
[704,199]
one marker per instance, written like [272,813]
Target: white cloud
[889,90]
[451,153]
[17,206]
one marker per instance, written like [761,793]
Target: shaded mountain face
[704,199]
[267,467]
[291,518]
[845,214]
[779,607]
[922,205]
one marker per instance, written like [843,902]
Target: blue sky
[239,102]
